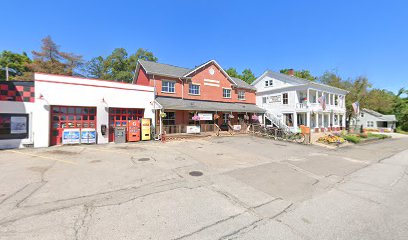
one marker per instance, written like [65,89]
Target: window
[170,118]
[194,89]
[241,95]
[285,98]
[269,83]
[362,114]
[263,100]
[168,86]
[226,93]
[288,119]
[13,126]
[370,124]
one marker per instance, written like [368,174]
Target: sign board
[18,125]
[71,136]
[88,135]
[193,129]
[205,116]
[237,127]
[275,98]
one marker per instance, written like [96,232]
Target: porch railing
[182,128]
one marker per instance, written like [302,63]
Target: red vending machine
[133,134]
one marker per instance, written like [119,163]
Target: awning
[195,105]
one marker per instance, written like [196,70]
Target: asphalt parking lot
[237,187]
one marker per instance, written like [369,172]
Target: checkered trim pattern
[17,91]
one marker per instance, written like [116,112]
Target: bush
[352,138]
[363,135]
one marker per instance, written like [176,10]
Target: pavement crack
[242,230]
[81,225]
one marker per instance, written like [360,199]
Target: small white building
[290,102]
[60,102]
[374,121]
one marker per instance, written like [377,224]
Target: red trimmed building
[200,96]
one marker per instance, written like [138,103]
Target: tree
[118,66]
[380,100]
[246,75]
[51,60]
[401,109]
[17,64]
[305,74]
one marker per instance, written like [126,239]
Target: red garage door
[119,117]
[63,117]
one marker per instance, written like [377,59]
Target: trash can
[120,135]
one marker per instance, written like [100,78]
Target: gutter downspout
[182,88]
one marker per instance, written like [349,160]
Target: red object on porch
[133,131]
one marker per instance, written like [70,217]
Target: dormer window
[269,83]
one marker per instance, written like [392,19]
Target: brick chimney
[291,72]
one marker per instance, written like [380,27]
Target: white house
[290,102]
[372,120]
[37,113]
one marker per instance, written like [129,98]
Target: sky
[353,37]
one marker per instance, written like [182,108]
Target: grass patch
[352,138]
[376,135]
[399,130]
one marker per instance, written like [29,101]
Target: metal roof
[194,105]
[242,84]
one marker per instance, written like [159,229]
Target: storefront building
[194,100]
[65,109]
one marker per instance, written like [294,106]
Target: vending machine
[146,122]
[133,134]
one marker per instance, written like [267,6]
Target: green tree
[118,66]
[401,109]
[232,72]
[380,100]
[305,74]
[51,60]
[17,64]
[248,76]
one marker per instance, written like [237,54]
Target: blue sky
[362,37]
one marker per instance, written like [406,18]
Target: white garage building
[64,102]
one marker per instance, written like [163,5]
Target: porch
[317,121]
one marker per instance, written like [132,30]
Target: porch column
[344,121]
[295,123]
[308,116]
[317,96]
[317,120]
[329,121]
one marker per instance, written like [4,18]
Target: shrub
[352,138]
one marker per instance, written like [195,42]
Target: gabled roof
[163,69]
[242,84]
[180,72]
[390,118]
[288,78]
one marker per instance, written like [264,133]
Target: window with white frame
[169,86]
[361,114]
[194,89]
[263,100]
[370,124]
[285,98]
[241,95]
[269,83]
[226,93]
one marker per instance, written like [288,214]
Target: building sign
[275,98]
[193,129]
[237,127]
[205,116]
[88,135]
[71,136]
[18,124]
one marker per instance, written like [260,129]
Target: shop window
[285,98]
[13,126]
[226,93]
[168,86]
[194,89]
[170,118]
[241,95]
